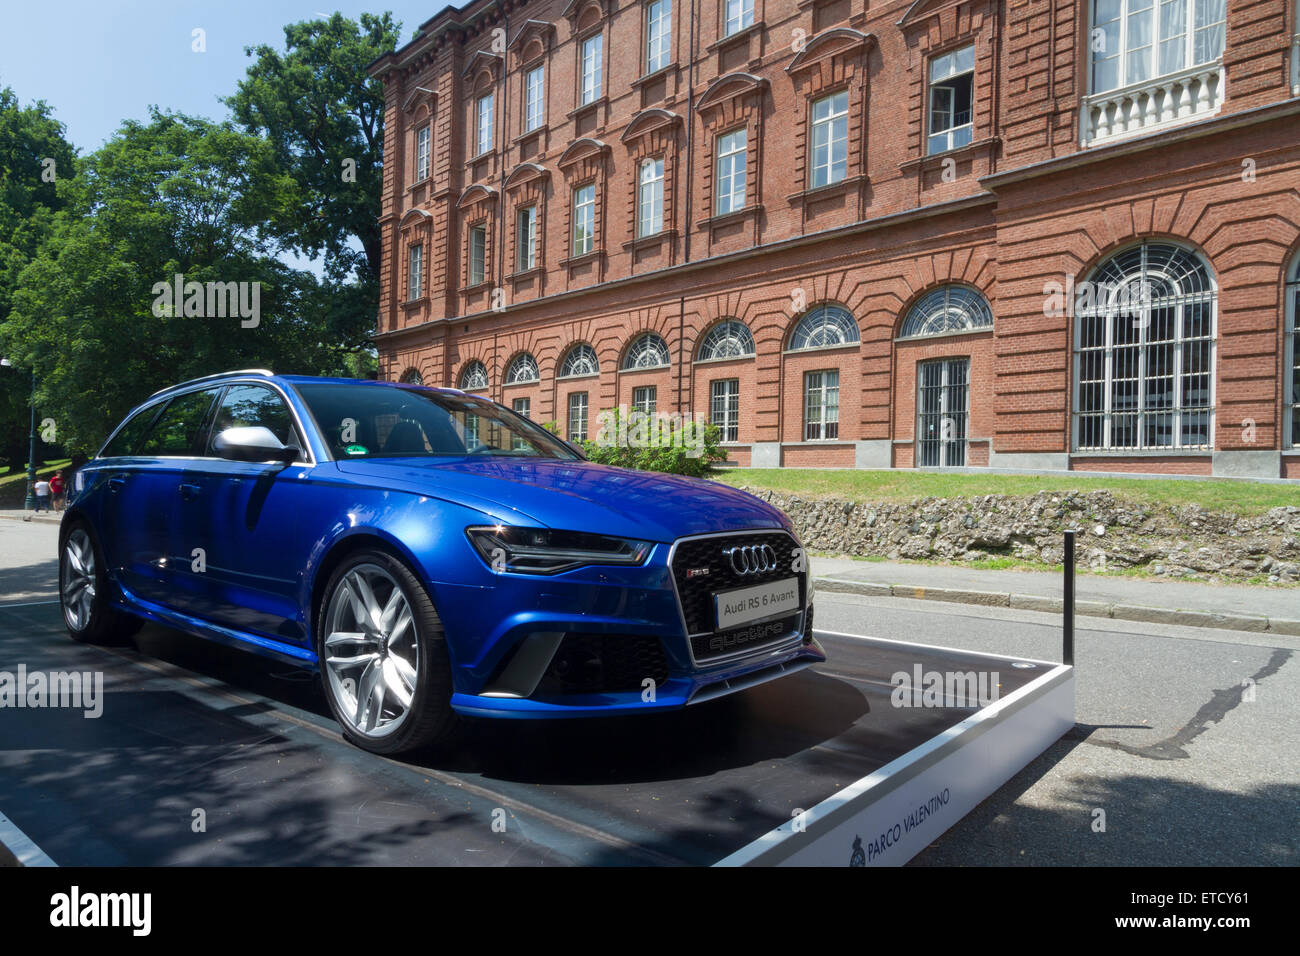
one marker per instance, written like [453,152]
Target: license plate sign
[746,605]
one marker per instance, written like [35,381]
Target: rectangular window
[731,171]
[584,219]
[591,68]
[521,406]
[534,98]
[830,139]
[577,416]
[415,272]
[952,91]
[821,405]
[724,408]
[526,239]
[658,35]
[483,140]
[1294,363]
[650,198]
[422,154]
[477,254]
[943,408]
[645,399]
[1136,41]
[740,14]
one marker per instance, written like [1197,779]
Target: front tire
[383,656]
[84,591]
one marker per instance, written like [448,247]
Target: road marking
[21,845]
[30,604]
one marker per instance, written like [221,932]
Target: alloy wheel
[372,651]
[78,580]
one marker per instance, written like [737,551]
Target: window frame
[584,411]
[653,223]
[739,167]
[1291,352]
[484,123]
[827,421]
[727,415]
[579,219]
[950,132]
[1154,46]
[477,258]
[415,272]
[423,153]
[831,121]
[526,246]
[664,36]
[591,68]
[529,125]
[744,18]
[645,399]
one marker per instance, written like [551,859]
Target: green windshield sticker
[356,449]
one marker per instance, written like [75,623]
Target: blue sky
[97,63]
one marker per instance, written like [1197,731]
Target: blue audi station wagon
[430,553]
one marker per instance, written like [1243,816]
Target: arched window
[522,369]
[1291,410]
[579,362]
[824,327]
[474,377]
[730,338]
[1144,351]
[950,308]
[411,377]
[647,351]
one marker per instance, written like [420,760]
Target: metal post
[29,503]
[1067,637]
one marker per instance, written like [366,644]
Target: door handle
[115,484]
[188,491]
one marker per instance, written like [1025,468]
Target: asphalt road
[1187,742]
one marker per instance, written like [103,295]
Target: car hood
[577,495]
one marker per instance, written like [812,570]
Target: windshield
[370,421]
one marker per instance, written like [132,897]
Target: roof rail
[241,371]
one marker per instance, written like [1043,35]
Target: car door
[246,525]
[145,494]
[120,503]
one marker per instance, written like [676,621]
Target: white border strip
[967,762]
[21,846]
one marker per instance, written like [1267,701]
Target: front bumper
[542,657]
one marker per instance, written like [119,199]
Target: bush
[656,443]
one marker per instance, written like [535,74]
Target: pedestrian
[58,490]
[42,490]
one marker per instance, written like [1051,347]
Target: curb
[1036,602]
[32,517]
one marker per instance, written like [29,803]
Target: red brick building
[1036,234]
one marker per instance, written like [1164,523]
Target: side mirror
[255,443]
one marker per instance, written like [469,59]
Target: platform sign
[891,815]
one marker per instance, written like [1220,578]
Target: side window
[130,438]
[245,406]
[178,432]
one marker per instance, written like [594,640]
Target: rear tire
[84,591]
[383,656]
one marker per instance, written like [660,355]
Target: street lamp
[29,503]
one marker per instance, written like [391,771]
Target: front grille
[700,571]
[603,663]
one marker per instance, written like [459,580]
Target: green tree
[34,155]
[175,195]
[325,121]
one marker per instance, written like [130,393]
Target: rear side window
[180,429]
[245,406]
[129,439]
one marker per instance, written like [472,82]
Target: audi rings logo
[751,558]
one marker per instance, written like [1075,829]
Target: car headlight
[543,551]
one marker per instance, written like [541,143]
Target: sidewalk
[1186,603]
[18,514]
